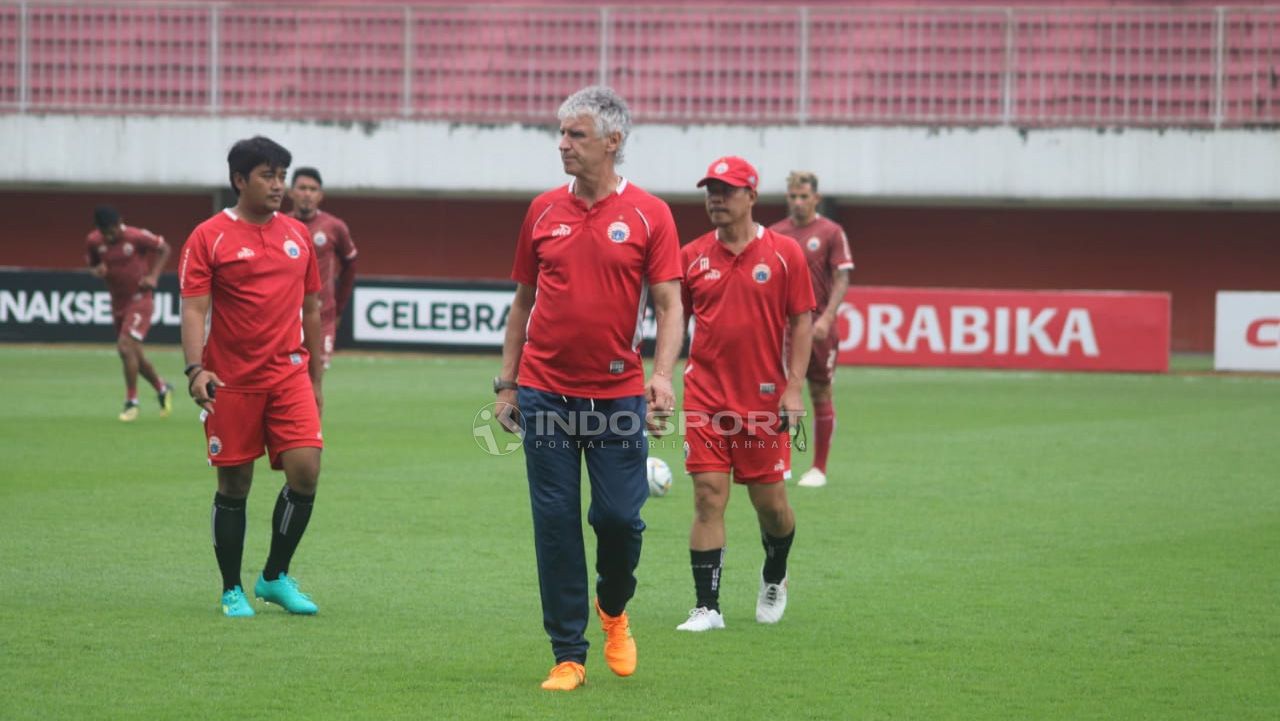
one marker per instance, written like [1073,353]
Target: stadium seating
[1081,66]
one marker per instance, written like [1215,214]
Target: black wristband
[191,367]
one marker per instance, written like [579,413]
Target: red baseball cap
[734,171]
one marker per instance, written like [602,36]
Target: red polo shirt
[592,268]
[333,244]
[826,248]
[256,277]
[741,305]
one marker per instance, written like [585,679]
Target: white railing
[1199,67]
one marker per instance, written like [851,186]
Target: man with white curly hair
[572,379]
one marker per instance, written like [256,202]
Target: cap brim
[726,181]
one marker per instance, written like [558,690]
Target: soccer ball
[659,477]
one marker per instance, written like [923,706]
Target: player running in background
[589,252]
[251,273]
[747,289]
[130,260]
[826,248]
[334,247]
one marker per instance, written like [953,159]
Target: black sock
[288,522]
[228,537]
[775,556]
[706,576]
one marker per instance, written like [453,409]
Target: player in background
[130,260]
[748,290]
[826,249]
[589,252]
[335,253]
[250,272]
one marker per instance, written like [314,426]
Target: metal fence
[1203,67]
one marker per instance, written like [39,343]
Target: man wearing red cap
[826,249]
[747,289]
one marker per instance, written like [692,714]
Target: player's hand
[148,282]
[822,327]
[791,408]
[507,411]
[99,270]
[661,404]
[201,386]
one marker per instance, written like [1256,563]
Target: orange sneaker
[619,646]
[566,676]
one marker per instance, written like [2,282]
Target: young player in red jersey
[335,252]
[589,252]
[130,260]
[826,248]
[250,272]
[747,289]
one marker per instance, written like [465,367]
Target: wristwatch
[501,384]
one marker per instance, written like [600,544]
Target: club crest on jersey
[215,445]
[760,273]
[619,232]
[813,244]
[291,248]
[127,249]
[320,239]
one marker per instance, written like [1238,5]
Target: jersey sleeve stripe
[644,300]
[782,260]
[648,230]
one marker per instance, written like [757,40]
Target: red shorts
[752,455]
[133,315]
[822,359]
[244,422]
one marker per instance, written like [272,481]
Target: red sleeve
[312,283]
[662,260]
[345,251]
[525,268]
[345,248]
[91,250]
[195,272]
[685,296]
[146,239]
[799,285]
[838,255]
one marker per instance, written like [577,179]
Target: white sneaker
[702,619]
[813,478]
[772,601]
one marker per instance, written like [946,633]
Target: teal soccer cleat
[235,605]
[284,593]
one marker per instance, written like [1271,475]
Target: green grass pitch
[991,546]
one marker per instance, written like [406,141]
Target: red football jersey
[127,259]
[741,306]
[256,277]
[592,269]
[332,241]
[826,248]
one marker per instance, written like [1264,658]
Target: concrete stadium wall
[1190,253]
[952,164]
